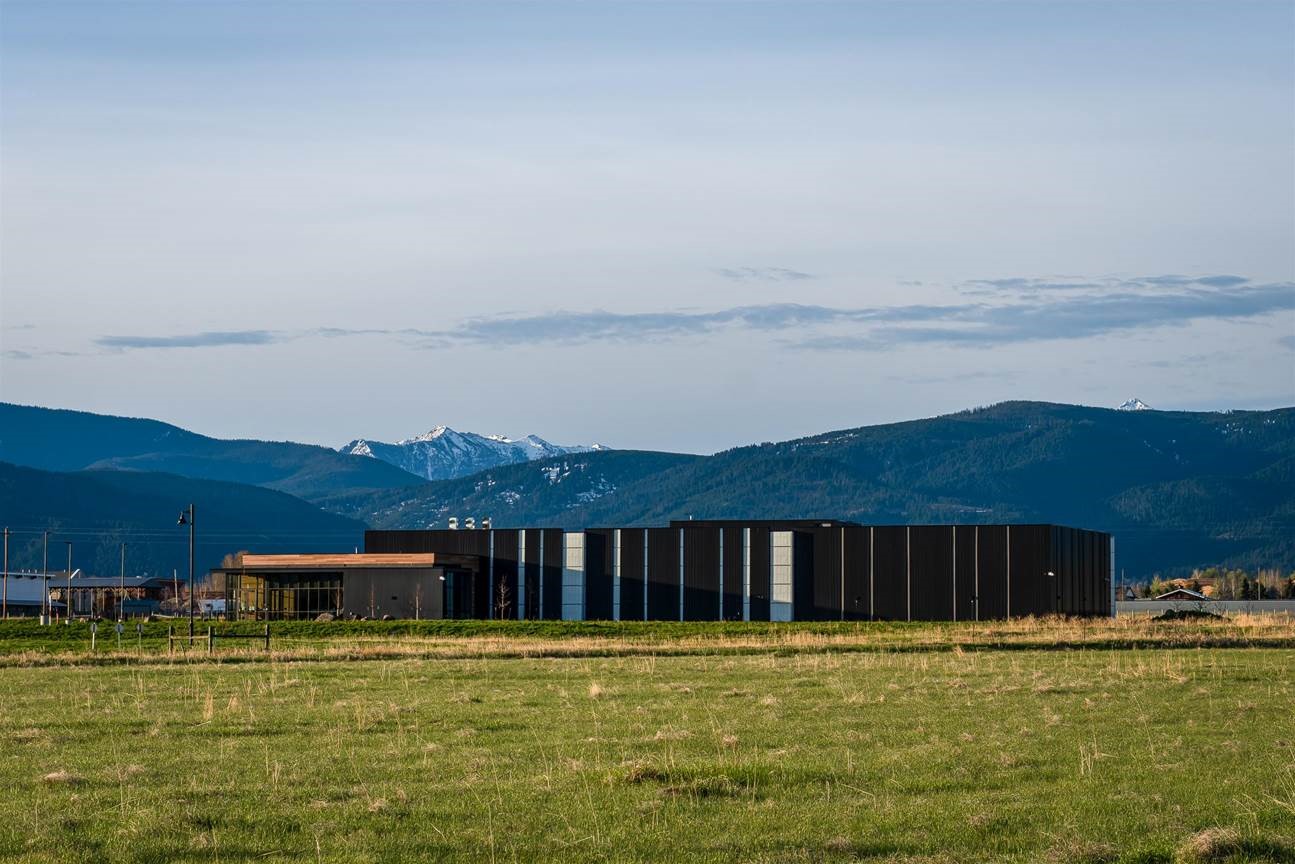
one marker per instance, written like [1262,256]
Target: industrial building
[799,570]
[286,587]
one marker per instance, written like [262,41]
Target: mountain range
[1177,489]
[444,454]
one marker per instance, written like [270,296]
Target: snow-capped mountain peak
[444,453]
[1134,404]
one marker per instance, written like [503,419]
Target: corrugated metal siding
[506,573]
[992,561]
[857,573]
[663,574]
[822,599]
[732,577]
[965,572]
[701,594]
[552,565]
[530,567]
[1031,589]
[932,572]
[632,584]
[890,577]
[598,574]
[760,573]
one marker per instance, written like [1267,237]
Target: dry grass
[672,639]
[1210,846]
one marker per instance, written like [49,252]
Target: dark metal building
[804,570]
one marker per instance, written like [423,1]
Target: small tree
[503,600]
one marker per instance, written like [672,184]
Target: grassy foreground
[815,754]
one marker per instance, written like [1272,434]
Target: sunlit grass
[792,750]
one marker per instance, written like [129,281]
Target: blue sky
[658,225]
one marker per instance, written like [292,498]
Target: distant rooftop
[314,562]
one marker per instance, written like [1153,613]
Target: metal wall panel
[663,574]
[530,569]
[760,572]
[701,577]
[1030,559]
[505,601]
[890,575]
[857,574]
[991,571]
[732,575]
[632,582]
[965,572]
[931,548]
[818,576]
[598,574]
[551,577]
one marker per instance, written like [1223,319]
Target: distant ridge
[60,440]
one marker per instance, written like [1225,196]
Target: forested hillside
[100,510]
[58,440]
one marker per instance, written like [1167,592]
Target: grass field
[805,744]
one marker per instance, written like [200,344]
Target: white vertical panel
[780,582]
[521,574]
[573,576]
[490,597]
[746,574]
[616,575]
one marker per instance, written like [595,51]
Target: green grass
[768,755]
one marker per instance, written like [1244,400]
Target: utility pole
[45,608]
[121,594]
[186,518]
[4,592]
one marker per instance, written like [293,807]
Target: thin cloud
[207,339]
[764,274]
[1070,311]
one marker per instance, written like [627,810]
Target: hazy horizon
[675,226]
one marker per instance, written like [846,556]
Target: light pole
[186,518]
[44,569]
[121,591]
[67,600]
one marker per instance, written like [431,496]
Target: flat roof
[315,562]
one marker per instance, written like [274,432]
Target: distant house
[1182,594]
[1128,594]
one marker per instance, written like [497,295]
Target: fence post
[170,640]
[211,640]
[267,637]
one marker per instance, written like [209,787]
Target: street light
[121,590]
[186,518]
[45,604]
[67,604]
